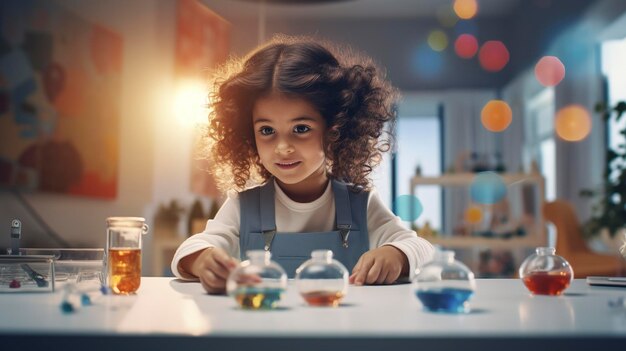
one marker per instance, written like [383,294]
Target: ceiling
[353,9]
[393,31]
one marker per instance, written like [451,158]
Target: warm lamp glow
[190,103]
[466,46]
[572,123]
[465,9]
[493,56]
[549,71]
[496,116]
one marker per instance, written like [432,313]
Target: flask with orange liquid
[545,272]
[123,253]
[322,281]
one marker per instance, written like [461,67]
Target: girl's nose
[284,148]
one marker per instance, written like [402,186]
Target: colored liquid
[323,298]
[547,283]
[258,298]
[124,270]
[445,300]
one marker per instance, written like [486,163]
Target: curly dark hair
[353,96]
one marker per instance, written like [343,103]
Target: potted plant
[609,209]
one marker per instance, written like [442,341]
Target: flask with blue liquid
[444,284]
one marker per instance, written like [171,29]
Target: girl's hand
[383,265]
[212,266]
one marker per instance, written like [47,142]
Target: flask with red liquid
[545,272]
[322,281]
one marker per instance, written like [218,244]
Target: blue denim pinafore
[258,229]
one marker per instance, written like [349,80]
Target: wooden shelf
[465,179]
[483,242]
[536,237]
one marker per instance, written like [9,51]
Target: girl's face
[289,134]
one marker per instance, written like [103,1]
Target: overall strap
[343,210]
[268,214]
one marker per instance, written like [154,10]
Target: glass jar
[546,273]
[123,252]
[444,284]
[258,282]
[321,280]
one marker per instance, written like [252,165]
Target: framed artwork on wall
[60,83]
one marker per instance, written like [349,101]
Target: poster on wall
[60,83]
[202,44]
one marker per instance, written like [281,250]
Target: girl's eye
[299,129]
[266,131]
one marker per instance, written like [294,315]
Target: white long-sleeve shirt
[384,228]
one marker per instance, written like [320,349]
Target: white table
[167,314]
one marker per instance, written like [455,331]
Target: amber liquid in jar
[547,283]
[323,298]
[124,270]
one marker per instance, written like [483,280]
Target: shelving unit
[535,236]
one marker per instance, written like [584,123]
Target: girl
[306,121]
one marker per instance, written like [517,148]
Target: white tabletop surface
[165,306]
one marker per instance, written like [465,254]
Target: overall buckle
[344,231]
[268,235]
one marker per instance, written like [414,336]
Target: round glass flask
[258,282]
[321,280]
[444,284]
[545,272]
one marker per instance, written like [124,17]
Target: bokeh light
[446,16]
[487,188]
[473,214]
[427,63]
[466,46]
[408,207]
[549,71]
[465,9]
[496,115]
[573,123]
[466,27]
[438,40]
[493,56]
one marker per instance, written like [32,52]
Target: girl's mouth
[287,165]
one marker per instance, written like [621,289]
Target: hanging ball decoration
[573,123]
[549,71]
[473,215]
[496,116]
[408,207]
[466,46]
[493,56]
[487,188]
[465,9]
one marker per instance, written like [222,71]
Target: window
[613,58]
[419,145]
[540,143]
